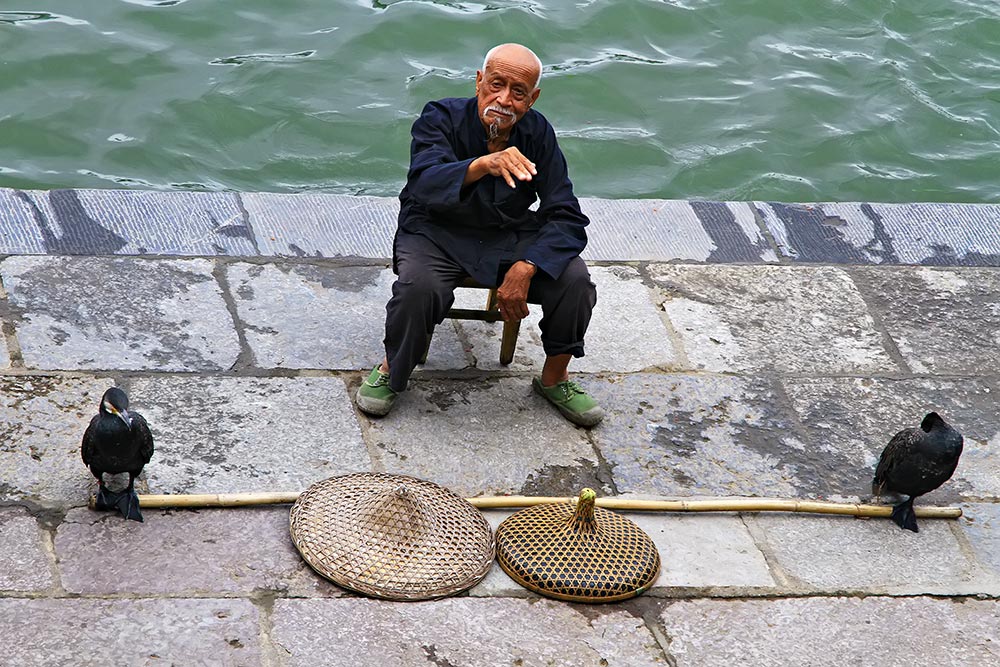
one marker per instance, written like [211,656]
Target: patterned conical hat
[391,536]
[575,551]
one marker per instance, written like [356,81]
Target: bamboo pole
[735,504]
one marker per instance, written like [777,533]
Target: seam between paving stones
[658,299]
[264,603]
[888,342]
[778,575]
[8,329]
[245,359]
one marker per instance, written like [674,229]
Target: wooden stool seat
[491,313]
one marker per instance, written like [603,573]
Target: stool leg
[423,359]
[509,341]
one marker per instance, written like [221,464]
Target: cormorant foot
[128,504]
[105,499]
[904,516]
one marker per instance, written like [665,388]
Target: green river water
[851,100]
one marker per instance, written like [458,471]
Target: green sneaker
[575,404]
[374,397]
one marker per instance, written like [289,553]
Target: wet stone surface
[226,435]
[180,552]
[460,631]
[42,420]
[660,230]
[833,632]
[26,565]
[103,313]
[484,437]
[860,233]
[704,435]
[944,321]
[46,632]
[127,222]
[853,419]
[840,554]
[771,318]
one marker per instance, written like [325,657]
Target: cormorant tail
[904,516]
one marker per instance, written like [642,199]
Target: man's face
[506,90]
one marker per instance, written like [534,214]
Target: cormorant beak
[125,417]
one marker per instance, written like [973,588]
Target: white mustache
[499,109]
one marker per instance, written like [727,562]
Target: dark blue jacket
[488,223]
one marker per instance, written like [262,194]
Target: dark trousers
[425,289]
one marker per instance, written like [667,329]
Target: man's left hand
[512,295]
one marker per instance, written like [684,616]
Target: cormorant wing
[143,437]
[89,445]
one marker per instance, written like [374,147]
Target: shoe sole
[591,417]
[373,407]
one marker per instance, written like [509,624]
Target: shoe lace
[571,389]
[381,381]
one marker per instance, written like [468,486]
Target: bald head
[517,56]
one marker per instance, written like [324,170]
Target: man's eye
[496,85]
[519,95]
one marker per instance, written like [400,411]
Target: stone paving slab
[180,553]
[42,420]
[845,554]
[304,316]
[67,632]
[228,435]
[851,420]
[710,435]
[771,318]
[122,313]
[980,524]
[859,233]
[833,632]
[944,321]
[321,225]
[661,230]
[26,565]
[459,632]
[485,436]
[707,552]
[126,222]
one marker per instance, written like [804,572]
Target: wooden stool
[490,314]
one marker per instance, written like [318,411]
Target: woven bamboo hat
[391,536]
[575,551]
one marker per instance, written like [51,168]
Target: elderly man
[476,165]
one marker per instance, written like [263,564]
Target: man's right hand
[507,164]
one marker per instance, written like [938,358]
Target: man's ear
[534,96]
[479,80]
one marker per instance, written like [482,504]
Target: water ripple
[463,7]
[613,57]
[34,18]
[263,58]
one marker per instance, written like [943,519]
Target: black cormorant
[917,461]
[117,441]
